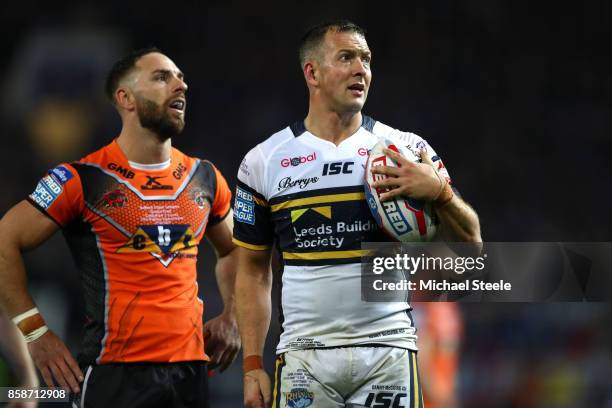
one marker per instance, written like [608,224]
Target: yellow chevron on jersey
[325,211]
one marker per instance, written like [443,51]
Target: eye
[345,57]
[162,77]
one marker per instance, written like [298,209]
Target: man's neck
[332,126]
[144,146]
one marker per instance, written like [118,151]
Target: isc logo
[331,169]
[385,400]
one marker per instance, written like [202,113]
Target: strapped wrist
[35,334]
[31,324]
[252,362]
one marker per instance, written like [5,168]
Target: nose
[180,85]
[359,67]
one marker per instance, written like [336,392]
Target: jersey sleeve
[252,223]
[59,194]
[222,200]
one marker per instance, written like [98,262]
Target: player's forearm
[253,306]
[459,220]
[225,272]
[14,296]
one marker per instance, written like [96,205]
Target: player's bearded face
[158,118]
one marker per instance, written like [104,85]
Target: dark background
[514,97]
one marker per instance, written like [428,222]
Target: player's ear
[124,98]
[310,73]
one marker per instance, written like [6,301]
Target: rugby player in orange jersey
[439,347]
[133,214]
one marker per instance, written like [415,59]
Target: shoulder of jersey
[257,157]
[380,130]
[268,146]
[93,157]
[190,160]
[292,133]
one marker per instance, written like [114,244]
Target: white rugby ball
[402,218]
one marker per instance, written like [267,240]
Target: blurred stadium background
[515,97]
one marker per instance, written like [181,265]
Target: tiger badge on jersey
[114,199]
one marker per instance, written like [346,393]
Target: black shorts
[144,385]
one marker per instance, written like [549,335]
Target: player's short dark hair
[123,67]
[313,38]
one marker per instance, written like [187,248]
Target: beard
[157,119]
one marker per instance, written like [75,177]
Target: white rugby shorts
[347,377]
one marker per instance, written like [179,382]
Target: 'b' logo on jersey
[161,239]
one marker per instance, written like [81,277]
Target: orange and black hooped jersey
[134,232]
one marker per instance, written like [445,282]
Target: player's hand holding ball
[401,191]
[410,178]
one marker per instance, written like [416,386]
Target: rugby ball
[402,218]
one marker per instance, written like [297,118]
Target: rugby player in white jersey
[302,190]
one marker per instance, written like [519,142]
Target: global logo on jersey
[162,241]
[296,161]
[299,398]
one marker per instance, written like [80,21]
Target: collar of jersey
[319,140]
[155,167]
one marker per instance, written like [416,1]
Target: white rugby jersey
[306,195]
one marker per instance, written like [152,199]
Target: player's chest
[169,206]
[304,168]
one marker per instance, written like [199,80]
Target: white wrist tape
[36,334]
[19,318]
